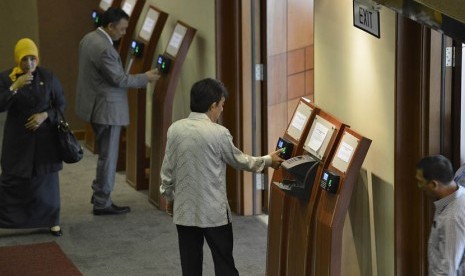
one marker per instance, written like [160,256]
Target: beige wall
[200,61]
[354,81]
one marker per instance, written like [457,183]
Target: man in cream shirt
[194,175]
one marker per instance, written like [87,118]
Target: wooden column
[411,207]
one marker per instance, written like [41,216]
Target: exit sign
[366,18]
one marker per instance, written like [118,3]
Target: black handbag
[70,149]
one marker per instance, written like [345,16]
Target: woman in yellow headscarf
[30,161]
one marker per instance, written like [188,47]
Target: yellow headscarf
[24,47]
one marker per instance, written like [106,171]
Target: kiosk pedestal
[163,96]
[337,184]
[318,145]
[136,153]
[280,201]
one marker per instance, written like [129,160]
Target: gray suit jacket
[101,95]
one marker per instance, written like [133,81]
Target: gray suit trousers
[107,138]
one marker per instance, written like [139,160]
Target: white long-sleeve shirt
[446,245]
[194,170]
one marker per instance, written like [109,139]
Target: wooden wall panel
[300,24]
[228,70]
[59,44]
[423,127]
[280,114]
[289,63]
[296,61]
[296,86]
[309,83]
[309,57]
[276,27]
[277,79]
[23,16]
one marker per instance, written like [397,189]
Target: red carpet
[36,260]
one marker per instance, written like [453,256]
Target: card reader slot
[289,182]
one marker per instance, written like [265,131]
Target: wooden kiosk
[142,50]
[333,204]
[162,103]
[280,202]
[297,221]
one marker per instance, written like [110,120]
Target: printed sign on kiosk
[128,6]
[299,120]
[149,24]
[176,39]
[105,4]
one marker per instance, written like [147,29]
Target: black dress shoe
[57,233]
[112,210]
[121,208]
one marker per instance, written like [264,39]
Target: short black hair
[436,167]
[206,92]
[113,15]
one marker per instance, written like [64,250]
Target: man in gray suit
[102,100]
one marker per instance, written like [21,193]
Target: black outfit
[30,161]
[220,241]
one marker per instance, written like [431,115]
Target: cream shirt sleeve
[239,160]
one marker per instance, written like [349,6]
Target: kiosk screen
[137,48]
[163,64]
[286,146]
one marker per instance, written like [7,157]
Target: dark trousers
[220,241]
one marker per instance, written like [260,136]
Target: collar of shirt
[442,203]
[106,34]
[196,115]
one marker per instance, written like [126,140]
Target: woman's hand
[34,122]
[22,81]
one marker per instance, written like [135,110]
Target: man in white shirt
[459,176]
[194,174]
[446,245]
